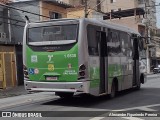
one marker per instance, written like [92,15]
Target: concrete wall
[127,21]
[107,6]
[79,13]
[75,13]
[17,29]
[52,8]
[4,34]
[91,3]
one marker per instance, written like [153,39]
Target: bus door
[102,47]
[135,62]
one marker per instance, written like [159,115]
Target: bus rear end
[50,54]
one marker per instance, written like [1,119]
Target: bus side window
[113,42]
[124,43]
[130,46]
[92,39]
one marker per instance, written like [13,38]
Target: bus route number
[70,56]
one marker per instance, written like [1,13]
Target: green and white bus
[76,56]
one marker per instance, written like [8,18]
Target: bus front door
[135,62]
[101,36]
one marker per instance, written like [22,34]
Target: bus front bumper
[73,87]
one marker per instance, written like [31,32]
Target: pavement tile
[10,92]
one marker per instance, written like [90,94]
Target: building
[7,51]
[141,17]
[144,24]
[80,3]
[11,34]
[135,22]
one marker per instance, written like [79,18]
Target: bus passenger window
[92,41]
[124,43]
[113,43]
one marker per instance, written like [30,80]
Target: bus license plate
[51,78]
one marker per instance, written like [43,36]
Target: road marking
[146,109]
[97,118]
[132,118]
[147,106]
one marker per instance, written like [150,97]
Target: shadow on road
[125,99]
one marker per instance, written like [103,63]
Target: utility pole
[85,9]
[147,39]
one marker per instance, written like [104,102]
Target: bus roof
[95,21]
[113,25]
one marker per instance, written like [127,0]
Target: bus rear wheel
[64,94]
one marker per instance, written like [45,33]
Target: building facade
[80,3]
[12,24]
[144,24]
[7,51]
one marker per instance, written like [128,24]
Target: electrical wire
[13,24]
[8,18]
[22,10]
[47,8]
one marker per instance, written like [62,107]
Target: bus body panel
[56,64]
[43,66]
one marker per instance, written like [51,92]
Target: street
[146,99]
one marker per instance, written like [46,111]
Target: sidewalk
[10,92]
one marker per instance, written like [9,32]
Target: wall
[107,6]
[91,3]
[75,13]
[79,13]
[4,33]
[127,21]
[17,29]
[51,7]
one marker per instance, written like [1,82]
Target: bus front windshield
[52,35]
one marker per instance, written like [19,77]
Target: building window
[112,1]
[55,15]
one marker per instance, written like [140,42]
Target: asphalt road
[145,101]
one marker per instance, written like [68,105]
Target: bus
[81,56]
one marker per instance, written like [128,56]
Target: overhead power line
[22,10]
[12,24]
[8,18]
[46,8]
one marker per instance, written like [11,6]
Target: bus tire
[64,94]
[113,90]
